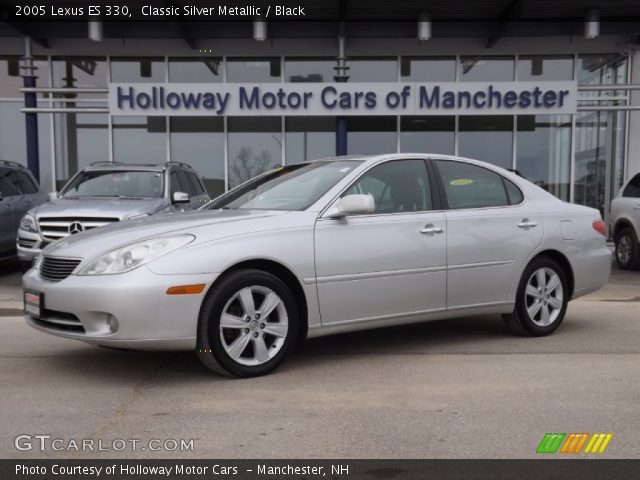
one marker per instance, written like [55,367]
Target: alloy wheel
[544,297]
[254,325]
[624,249]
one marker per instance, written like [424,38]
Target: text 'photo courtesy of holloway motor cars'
[318,248]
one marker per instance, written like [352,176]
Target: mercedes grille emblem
[75,227]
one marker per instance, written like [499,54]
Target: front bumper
[80,307]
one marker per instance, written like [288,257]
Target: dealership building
[551,89]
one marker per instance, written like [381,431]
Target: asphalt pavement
[461,388]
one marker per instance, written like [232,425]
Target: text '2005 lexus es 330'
[323,247]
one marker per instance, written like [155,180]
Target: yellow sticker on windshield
[461,181]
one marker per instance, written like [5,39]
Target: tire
[528,317]
[248,344]
[627,250]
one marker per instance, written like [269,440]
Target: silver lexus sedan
[319,248]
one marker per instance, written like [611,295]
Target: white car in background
[625,224]
[323,247]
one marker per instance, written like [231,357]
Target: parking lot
[451,389]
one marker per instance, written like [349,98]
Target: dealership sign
[316,99]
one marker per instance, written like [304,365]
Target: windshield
[294,187]
[116,183]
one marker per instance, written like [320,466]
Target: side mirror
[356,204]
[52,196]
[180,197]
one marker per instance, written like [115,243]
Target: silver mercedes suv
[104,193]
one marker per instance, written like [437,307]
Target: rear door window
[633,188]
[471,186]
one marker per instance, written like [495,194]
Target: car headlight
[28,224]
[37,262]
[132,256]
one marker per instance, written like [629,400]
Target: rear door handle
[525,223]
[636,206]
[430,229]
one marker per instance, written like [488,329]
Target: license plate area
[33,303]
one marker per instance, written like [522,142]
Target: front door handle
[525,223]
[636,206]
[430,229]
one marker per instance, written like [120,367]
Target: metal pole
[31,119]
[341,76]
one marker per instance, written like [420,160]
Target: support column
[31,119]
[341,75]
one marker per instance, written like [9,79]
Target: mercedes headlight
[28,224]
[132,256]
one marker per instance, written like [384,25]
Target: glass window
[196,184]
[372,69]
[11,81]
[598,160]
[428,69]
[545,67]
[129,69]
[199,142]
[139,140]
[488,138]
[602,69]
[81,139]
[397,186]
[21,181]
[198,69]
[186,183]
[294,187]
[178,182]
[543,151]
[471,186]
[308,138]
[515,194]
[367,135]
[255,146]
[309,69]
[633,188]
[485,69]
[115,183]
[7,189]
[427,134]
[253,70]
[77,72]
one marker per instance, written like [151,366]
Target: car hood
[226,223]
[121,208]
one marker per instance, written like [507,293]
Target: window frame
[436,196]
[503,179]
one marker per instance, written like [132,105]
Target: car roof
[10,164]
[147,167]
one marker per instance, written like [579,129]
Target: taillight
[600,227]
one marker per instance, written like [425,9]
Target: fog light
[112,323]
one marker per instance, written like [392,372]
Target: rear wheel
[627,251]
[248,324]
[541,300]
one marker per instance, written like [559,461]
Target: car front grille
[54,228]
[26,243]
[56,269]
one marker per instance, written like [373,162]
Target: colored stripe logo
[573,443]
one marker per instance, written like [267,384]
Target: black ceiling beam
[511,13]
[5,17]
[183,31]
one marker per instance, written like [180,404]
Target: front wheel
[627,254]
[248,324]
[541,300]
